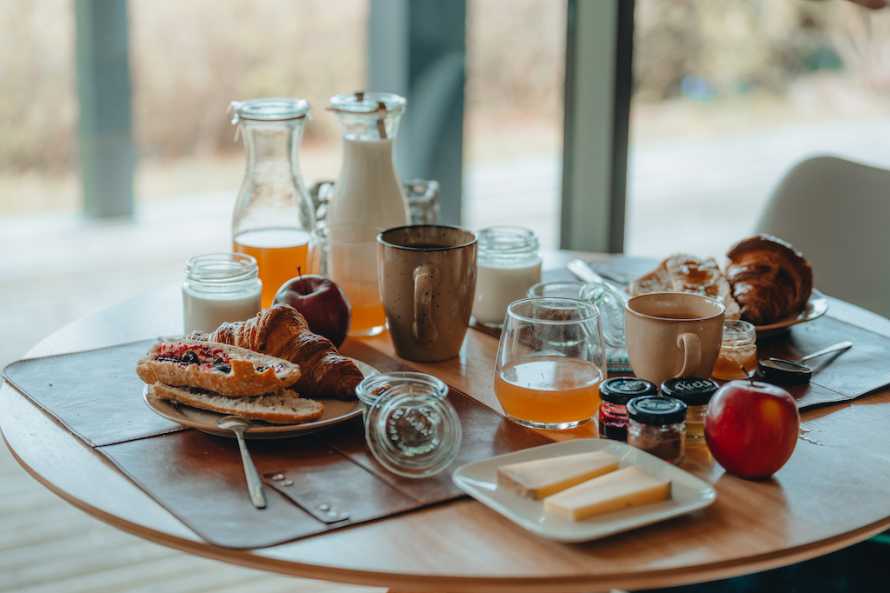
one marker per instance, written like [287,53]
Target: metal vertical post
[104,94]
[599,53]
[417,48]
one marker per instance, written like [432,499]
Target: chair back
[837,212]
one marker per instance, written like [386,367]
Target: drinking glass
[551,360]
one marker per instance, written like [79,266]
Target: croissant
[282,332]
[770,279]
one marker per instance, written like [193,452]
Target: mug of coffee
[427,279]
[673,334]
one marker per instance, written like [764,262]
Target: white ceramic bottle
[368,199]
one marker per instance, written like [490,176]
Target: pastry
[282,332]
[687,273]
[226,370]
[283,407]
[770,280]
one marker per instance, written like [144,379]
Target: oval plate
[816,307]
[335,412]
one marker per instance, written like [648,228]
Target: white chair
[837,213]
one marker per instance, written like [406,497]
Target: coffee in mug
[427,279]
[673,334]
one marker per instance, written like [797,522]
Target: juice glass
[550,362]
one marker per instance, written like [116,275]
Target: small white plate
[335,412]
[816,307]
[479,480]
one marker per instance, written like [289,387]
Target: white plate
[335,412]
[479,480]
[816,307]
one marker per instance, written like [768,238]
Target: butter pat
[543,477]
[625,488]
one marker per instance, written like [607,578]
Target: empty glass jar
[410,426]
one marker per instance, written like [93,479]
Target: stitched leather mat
[95,393]
[199,478]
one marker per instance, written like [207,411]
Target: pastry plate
[335,412]
[816,307]
[479,480]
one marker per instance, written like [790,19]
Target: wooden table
[831,494]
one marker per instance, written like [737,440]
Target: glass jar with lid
[657,425]
[368,198]
[508,263]
[410,427]
[273,215]
[696,393]
[219,287]
[615,393]
[738,351]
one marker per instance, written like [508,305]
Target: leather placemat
[200,480]
[95,394]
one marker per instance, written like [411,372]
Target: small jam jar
[738,352]
[614,395]
[695,392]
[657,425]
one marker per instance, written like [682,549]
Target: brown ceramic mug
[673,334]
[427,279]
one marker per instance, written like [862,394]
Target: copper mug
[673,334]
[427,280]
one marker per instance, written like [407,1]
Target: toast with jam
[226,370]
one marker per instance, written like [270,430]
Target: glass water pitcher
[273,215]
[368,198]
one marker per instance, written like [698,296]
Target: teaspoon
[254,485]
[782,370]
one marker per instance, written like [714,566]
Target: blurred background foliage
[189,59]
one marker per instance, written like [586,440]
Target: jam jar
[614,395]
[695,392]
[657,425]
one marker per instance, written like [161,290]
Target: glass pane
[730,94]
[513,126]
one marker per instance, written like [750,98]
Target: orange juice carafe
[368,198]
[273,215]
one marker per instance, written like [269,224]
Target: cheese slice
[543,477]
[625,488]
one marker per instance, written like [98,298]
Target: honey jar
[695,392]
[738,351]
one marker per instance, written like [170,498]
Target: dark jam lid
[656,410]
[692,391]
[620,390]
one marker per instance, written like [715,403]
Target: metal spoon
[782,370]
[254,485]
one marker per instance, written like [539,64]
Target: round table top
[831,494]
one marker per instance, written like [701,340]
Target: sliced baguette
[222,369]
[283,407]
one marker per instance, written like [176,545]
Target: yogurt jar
[219,287]
[508,263]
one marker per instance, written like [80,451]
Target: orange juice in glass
[550,363]
[280,253]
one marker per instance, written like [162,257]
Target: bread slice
[283,407]
[682,272]
[222,369]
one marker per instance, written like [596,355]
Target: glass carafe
[273,216]
[368,198]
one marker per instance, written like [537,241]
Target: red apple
[752,428]
[321,302]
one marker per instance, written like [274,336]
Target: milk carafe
[368,198]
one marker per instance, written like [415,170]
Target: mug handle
[423,327]
[691,345]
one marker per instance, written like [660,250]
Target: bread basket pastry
[770,279]
[282,332]
[226,370]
